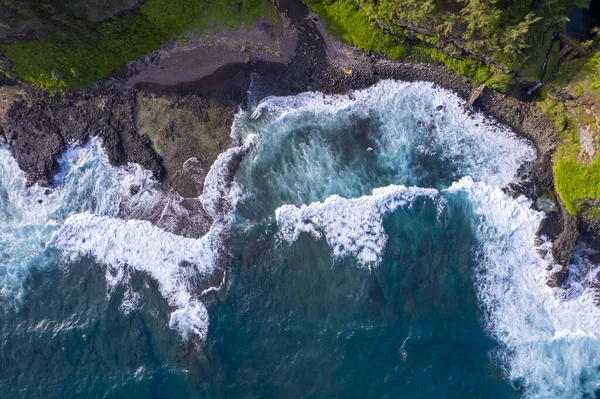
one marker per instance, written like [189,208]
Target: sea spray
[312,146]
[325,158]
[30,215]
[396,178]
[350,226]
[122,218]
[550,341]
[409,125]
[181,266]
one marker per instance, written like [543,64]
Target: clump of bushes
[476,71]
[348,21]
[576,183]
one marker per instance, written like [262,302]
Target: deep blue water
[371,253]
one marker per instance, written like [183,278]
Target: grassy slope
[576,183]
[353,25]
[96,50]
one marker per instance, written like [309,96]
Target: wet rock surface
[188,132]
[39,127]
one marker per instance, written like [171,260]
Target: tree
[480,16]
[417,10]
[516,38]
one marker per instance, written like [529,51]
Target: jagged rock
[564,228]
[39,127]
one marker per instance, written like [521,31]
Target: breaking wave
[29,216]
[123,219]
[394,132]
[350,226]
[181,266]
[332,166]
[550,340]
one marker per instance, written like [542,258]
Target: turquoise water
[371,252]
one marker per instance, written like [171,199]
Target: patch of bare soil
[200,57]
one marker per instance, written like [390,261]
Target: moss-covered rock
[188,132]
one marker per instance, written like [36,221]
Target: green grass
[232,15]
[350,23]
[576,183]
[470,67]
[347,22]
[97,50]
[591,74]
[568,70]
[565,125]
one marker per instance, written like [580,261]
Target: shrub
[350,24]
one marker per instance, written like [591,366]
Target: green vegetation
[577,183]
[494,42]
[352,23]
[565,125]
[232,14]
[88,51]
[349,23]
[512,42]
[508,32]
[476,71]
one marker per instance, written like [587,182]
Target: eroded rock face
[8,95]
[38,128]
[177,130]
[562,229]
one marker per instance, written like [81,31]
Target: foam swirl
[350,226]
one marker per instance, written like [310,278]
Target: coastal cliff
[170,110]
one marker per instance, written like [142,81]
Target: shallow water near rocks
[371,253]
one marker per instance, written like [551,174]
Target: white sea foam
[350,226]
[179,265]
[550,336]
[412,116]
[82,215]
[29,216]
[551,340]
[220,194]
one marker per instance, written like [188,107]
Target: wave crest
[350,226]
[550,341]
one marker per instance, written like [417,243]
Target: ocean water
[364,247]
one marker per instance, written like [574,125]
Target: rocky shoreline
[129,120]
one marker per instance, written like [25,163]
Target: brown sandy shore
[172,112]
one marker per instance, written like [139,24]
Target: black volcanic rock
[39,129]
